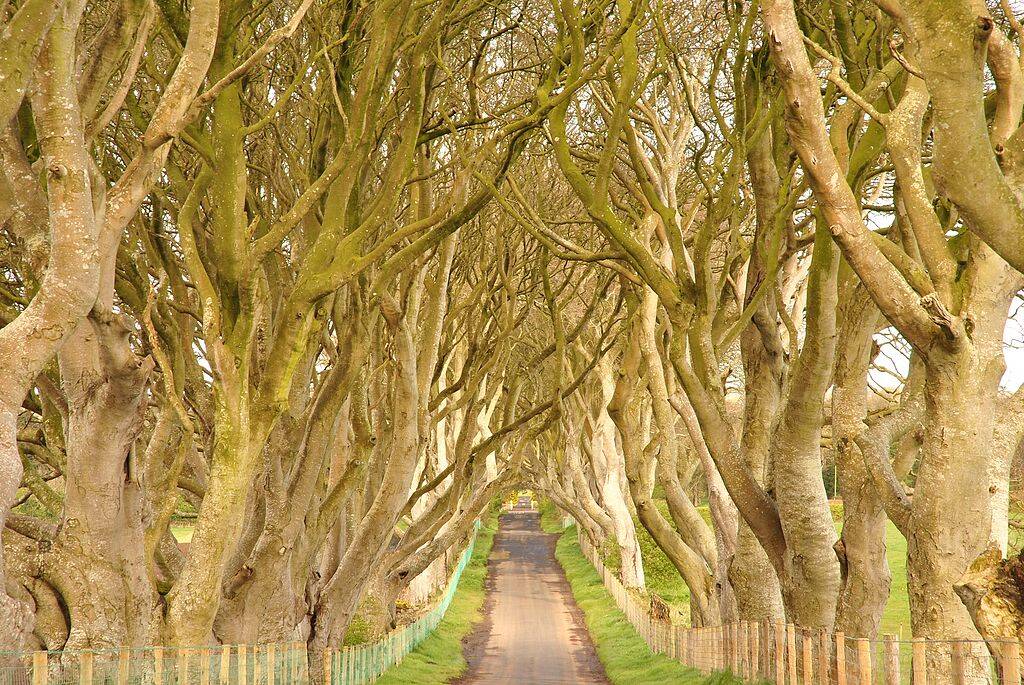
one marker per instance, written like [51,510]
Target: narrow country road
[532,631]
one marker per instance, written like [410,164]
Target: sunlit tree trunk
[861,548]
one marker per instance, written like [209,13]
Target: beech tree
[952,314]
[330,278]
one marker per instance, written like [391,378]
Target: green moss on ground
[438,659]
[626,657]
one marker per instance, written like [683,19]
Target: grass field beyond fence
[664,581]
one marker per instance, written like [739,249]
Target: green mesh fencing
[365,663]
[274,664]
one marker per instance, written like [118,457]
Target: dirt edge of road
[585,655]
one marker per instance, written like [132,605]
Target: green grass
[625,655]
[438,659]
[664,581]
[182,530]
[550,518]
[660,575]
[896,615]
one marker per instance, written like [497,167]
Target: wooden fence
[764,652]
[271,664]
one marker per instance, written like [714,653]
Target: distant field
[182,530]
[663,579]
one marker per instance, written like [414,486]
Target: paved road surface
[533,632]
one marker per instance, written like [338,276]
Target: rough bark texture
[69,287]
[98,560]
[811,584]
[992,589]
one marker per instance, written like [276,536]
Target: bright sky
[891,357]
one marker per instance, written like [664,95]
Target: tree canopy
[324,278]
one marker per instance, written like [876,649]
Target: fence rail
[785,654]
[270,664]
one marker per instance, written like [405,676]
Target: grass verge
[626,657]
[438,659]
[550,518]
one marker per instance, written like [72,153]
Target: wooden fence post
[689,649]
[240,665]
[696,649]
[1009,663]
[957,659]
[780,654]
[85,668]
[158,666]
[122,666]
[840,658]
[181,666]
[40,668]
[864,661]
[706,649]
[808,656]
[327,666]
[271,669]
[737,649]
[722,634]
[892,660]
[791,651]
[224,672]
[824,652]
[204,666]
[755,651]
[743,651]
[918,663]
